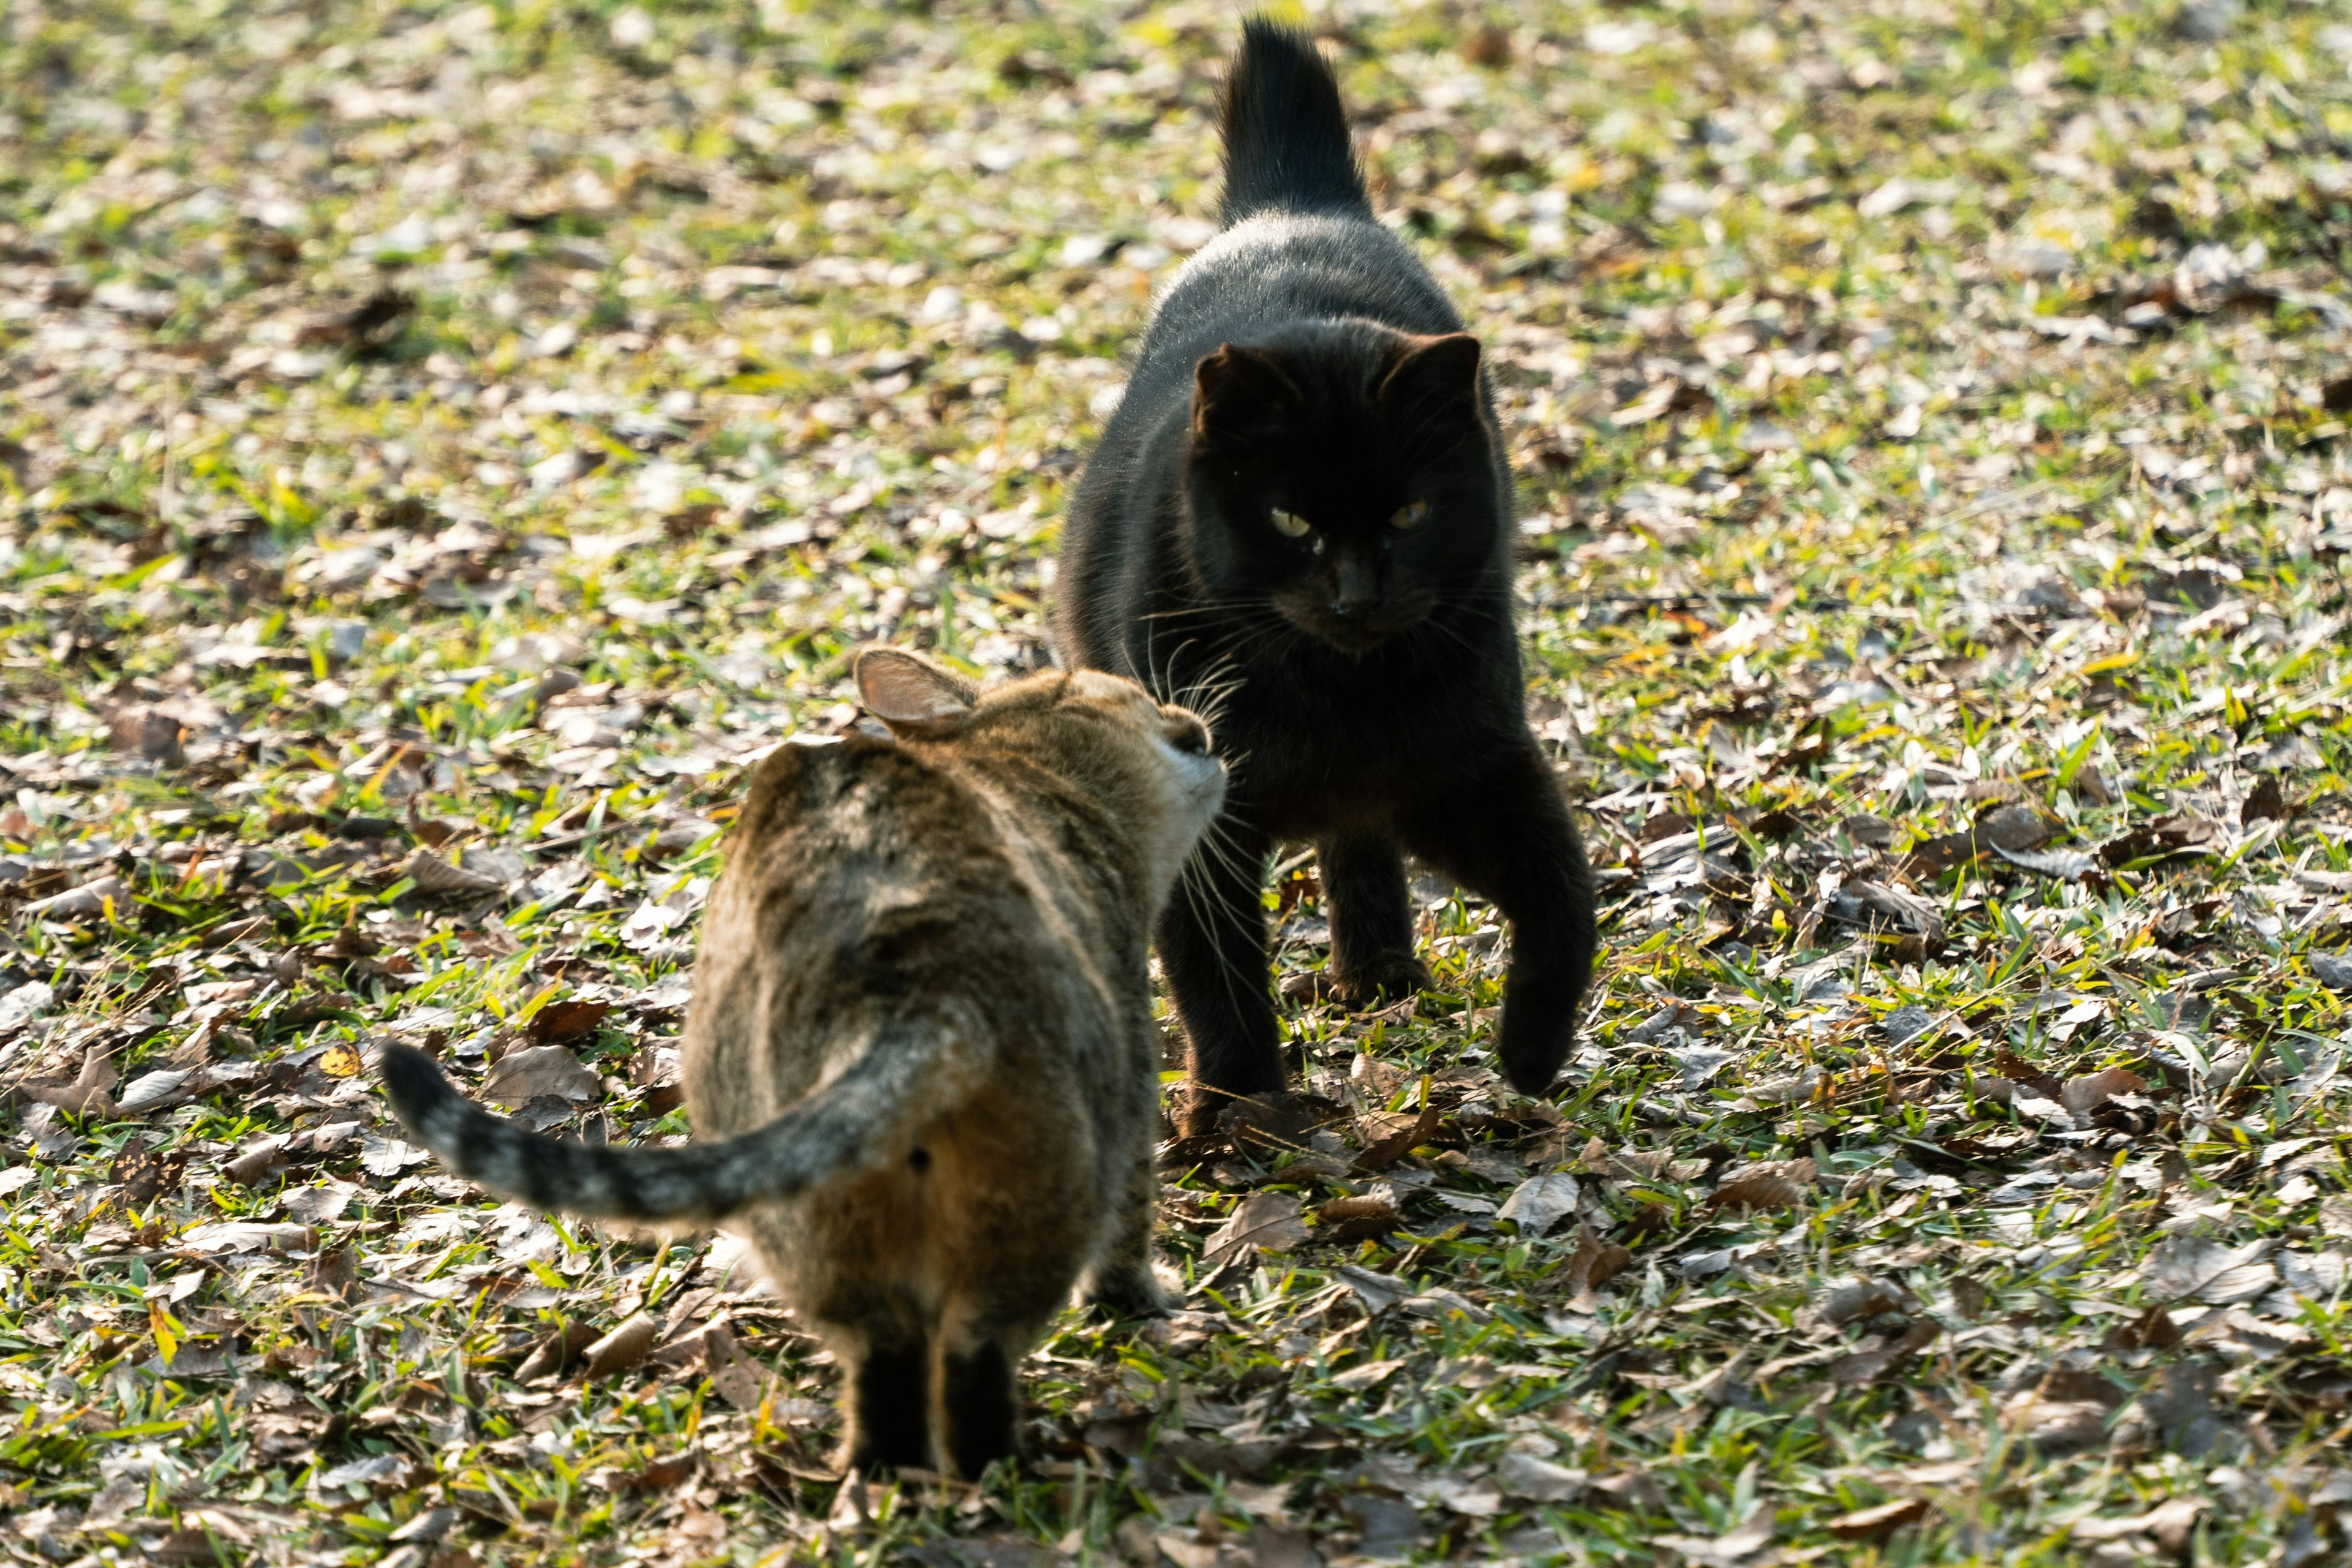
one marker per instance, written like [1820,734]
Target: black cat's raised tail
[1286,147]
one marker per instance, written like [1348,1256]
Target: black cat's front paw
[1386,977]
[1535,1040]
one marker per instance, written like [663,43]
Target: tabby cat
[921,1058]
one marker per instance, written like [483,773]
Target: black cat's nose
[1357,587]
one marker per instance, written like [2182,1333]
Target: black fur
[1363,680]
[1286,147]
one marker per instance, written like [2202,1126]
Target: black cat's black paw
[1389,977]
[1530,1065]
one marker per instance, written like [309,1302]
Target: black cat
[1300,517]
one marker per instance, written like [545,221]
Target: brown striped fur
[921,1058]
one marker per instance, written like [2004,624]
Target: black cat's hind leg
[1370,909]
[1507,835]
[1211,944]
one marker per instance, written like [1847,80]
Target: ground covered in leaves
[443,444]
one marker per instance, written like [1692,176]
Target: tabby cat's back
[920,1057]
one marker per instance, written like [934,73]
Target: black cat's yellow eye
[1290,525]
[1410,515]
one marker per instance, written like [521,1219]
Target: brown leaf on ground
[80,903]
[2016,832]
[663,1474]
[1851,1300]
[2168,1524]
[1861,900]
[1781,1185]
[1878,1523]
[623,1348]
[1537,1204]
[432,874]
[1268,1121]
[2088,1092]
[540,1070]
[1358,1218]
[2024,1074]
[1539,1480]
[321,1202]
[1387,1149]
[737,1379]
[1743,1541]
[561,1023]
[334,1272]
[371,323]
[557,1353]
[1595,1262]
[258,1160]
[87,1092]
[1489,47]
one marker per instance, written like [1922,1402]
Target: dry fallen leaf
[1539,1480]
[321,1202]
[1595,1262]
[1538,1203]
[1878,1523]
[1782,1185]
[623,1348]
[540,1070]
[434,875]
[737,1378]
[1390,1147]
[1356,1218]
[1734,1546]
[2088,1092]
[1369,1375]
[2186,1266]
[87,1092]
[1270,1221]
[257,1160]
[561,1023]
[556,1353]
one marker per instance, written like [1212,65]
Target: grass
[444,445]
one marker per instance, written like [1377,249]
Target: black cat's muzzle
[1353,627]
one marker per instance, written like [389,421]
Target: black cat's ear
[1238,390]
[912,695]
[1432,375]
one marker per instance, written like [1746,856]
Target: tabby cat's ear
[1238,390]
[912,695]
[1432,375]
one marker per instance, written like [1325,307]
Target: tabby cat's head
[1344,476]
[1148,765]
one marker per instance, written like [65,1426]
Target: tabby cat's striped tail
[854,1123]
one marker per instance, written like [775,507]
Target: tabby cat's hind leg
[886,1386]
[981,1405]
